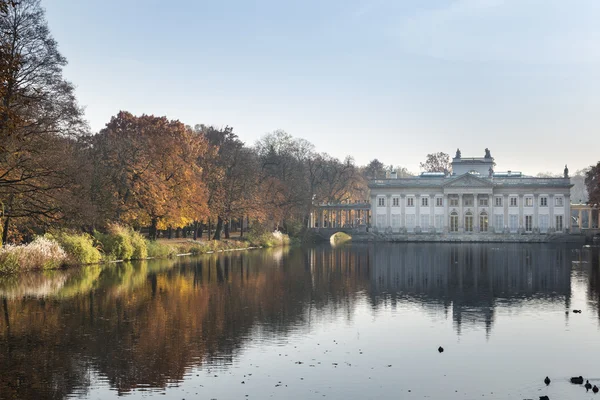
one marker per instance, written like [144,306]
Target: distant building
[472,200]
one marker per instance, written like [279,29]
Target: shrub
[159,250]
[260,236]
[80,248]
[116,243]
[42,253]
[139,243]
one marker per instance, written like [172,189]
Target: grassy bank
[63,249]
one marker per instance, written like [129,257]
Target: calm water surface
[354,322]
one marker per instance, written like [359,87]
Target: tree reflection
[146,324]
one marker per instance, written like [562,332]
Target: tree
[231,176]
[592,182]
[147,172]
[374,170]
[437,162]
[284,178]
[40,120]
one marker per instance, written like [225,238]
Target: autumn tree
[592,182]
[436,162]
[231,176]
[147,174]
[39,118]
[335,181]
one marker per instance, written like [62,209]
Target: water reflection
[471,280]
[146,324]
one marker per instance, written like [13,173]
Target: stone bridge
[327,233]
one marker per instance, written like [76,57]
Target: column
[567,216]
[373,221]
[579,221]
[418,213]
[552,222]
[446,214]
[403,211]
[476,226]
[536,210]
[491,217]
[432,212]
[505,203]
[521,227]
[388,209]
[461,221]
[590,216]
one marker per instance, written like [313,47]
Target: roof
[496,181]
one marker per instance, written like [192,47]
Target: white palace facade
[473,199]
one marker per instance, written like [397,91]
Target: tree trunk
[227,229]
[209,228]
[201,229]
[5,230]
[153,229]
[195,230]
[170,234]
[218,228]
[242,227]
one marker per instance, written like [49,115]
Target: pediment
[469,180]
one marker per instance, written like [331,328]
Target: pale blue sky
[387,79]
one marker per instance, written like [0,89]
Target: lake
[361,321]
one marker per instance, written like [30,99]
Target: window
[559,222]
[454,222]
[498,201]
[410,201]
[424,221]
[381,221]
[395,201]
[513,222]
[528,201]
[483,202]
[483,222]
[453,201]
[424,201]
[543,201]
[410,222]
[513,201]
[468,222]
[499,222]
[544,222]
[396,221]
[468,202]
[439,221]
[529,223]
[558,201]
[381,201]
[439,202]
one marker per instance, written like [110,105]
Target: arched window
[453,222]
[483,222]
[468,222]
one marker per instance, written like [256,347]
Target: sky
[386,79]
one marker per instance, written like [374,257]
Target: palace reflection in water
[145,325]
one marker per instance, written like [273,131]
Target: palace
[473,199]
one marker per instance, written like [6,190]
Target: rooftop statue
[487,153]
[566,171]
[491,172]
[457,153]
